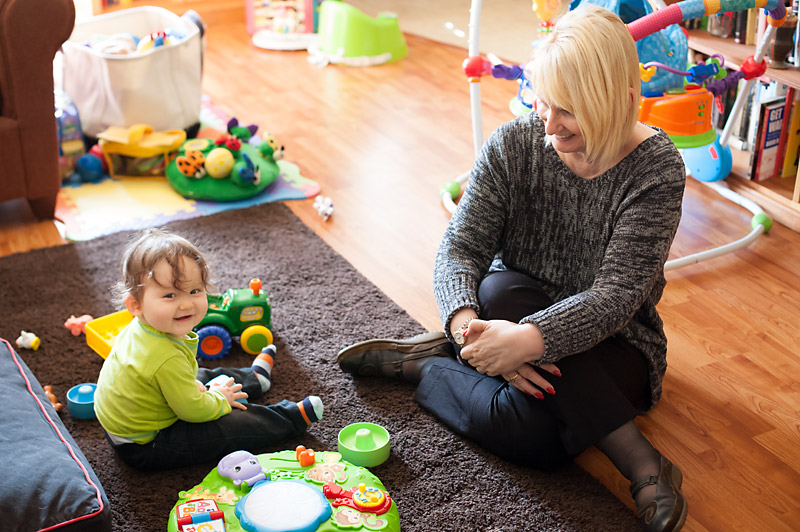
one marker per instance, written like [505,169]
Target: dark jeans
[600,389]
[182,443]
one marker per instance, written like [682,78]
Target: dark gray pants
[183,443]
[600,389]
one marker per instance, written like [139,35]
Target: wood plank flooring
[382,140]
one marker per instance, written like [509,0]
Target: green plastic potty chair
[348,36]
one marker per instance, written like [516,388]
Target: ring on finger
[512,379]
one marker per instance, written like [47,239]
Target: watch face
[459,337]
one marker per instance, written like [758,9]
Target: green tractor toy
[241,312]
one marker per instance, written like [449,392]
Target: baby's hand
[232,392]
[200,386]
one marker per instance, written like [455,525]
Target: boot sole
[401,346]
[677,481]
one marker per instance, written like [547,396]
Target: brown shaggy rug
[320,304]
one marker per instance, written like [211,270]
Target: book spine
[768,145]
[787,111]
[752,26]
[759,90]
[792,144]
[755,152]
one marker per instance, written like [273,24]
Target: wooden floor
[382,141]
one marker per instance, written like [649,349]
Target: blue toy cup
[80,401]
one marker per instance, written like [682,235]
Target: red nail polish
[557,373]
[551,391]
[538,395]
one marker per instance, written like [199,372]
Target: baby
[151,399]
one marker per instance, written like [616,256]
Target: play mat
[287,491]
[89,210]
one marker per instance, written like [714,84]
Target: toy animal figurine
[248,172]
[241,132]
[28,340]
[229,141]
[270,149]
[324,207]
[48,391]
[77,325]
[193,164]
[241,467]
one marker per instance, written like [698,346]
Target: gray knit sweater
[596,246]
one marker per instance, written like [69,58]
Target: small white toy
[28,340]
[324,207]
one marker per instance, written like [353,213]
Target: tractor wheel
[215,342]
[255,338]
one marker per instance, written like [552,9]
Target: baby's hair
[145,252]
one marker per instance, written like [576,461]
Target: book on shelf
[764,155]
[762,92]
[788,105]
[741,123]
[792,144]
[752,26]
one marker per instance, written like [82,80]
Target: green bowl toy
[364,444]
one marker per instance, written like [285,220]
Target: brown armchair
[31,32]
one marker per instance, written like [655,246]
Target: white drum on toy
[158,84]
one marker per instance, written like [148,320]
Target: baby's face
[169,308]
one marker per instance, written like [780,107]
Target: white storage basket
[160,87]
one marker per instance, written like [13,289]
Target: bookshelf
[779,197]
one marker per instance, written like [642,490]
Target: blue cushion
[45,480]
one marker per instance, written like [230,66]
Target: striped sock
[262,365]
[311,409]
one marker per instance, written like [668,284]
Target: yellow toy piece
[219,163]
[101,332]
[138,151]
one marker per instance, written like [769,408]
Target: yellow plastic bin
[138,151]
[101,332]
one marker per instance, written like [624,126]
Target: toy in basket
[125,81]
[299,491]
[245,313]
[138,151]
[230,168]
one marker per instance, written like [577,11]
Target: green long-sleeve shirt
[148,382]
[596,246]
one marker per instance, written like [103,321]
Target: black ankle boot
[666,511]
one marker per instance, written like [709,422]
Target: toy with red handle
[689,9]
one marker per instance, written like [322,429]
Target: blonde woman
[548,276]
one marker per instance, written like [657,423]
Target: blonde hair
[588,66]
[143,254]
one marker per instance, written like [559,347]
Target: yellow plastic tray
[101,332]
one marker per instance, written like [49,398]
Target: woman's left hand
[527,379]
[496,347]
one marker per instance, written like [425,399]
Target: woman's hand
[232,392]
[525,378]
[497,347]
